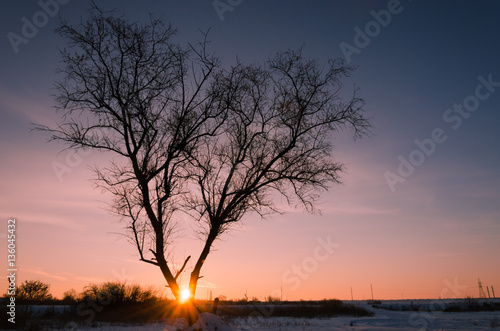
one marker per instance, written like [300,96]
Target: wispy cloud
[206,284]
[27,270]
[36,109]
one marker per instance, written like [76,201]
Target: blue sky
[440,223]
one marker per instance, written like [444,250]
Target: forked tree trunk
[186,310]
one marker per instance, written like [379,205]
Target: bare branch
[182,268]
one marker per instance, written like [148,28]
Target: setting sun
[185,295]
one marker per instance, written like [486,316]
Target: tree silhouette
[192,136]
[33,290]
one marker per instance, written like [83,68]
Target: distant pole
[352,297]
[372,290]
[481,290]
[488,290]
[493,291]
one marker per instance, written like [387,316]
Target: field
[448,314]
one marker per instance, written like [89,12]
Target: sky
[417,214]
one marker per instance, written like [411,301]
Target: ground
[383,319]
[389,315]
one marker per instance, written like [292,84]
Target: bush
[273,299]
[135,293]
[33,291]
[70,297]
[116,293]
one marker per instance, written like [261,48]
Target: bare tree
[192,136]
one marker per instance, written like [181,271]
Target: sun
[185,294]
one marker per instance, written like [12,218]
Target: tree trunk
[195,274]
[186,310]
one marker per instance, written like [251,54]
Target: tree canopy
[193,137]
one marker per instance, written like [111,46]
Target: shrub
[33,291]
[273,299]
[116,293]
[135,293]
[70,297]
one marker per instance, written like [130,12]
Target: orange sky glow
[433,234]
[68,240]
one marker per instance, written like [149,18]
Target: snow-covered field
[383,319]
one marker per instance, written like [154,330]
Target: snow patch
[210,322]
